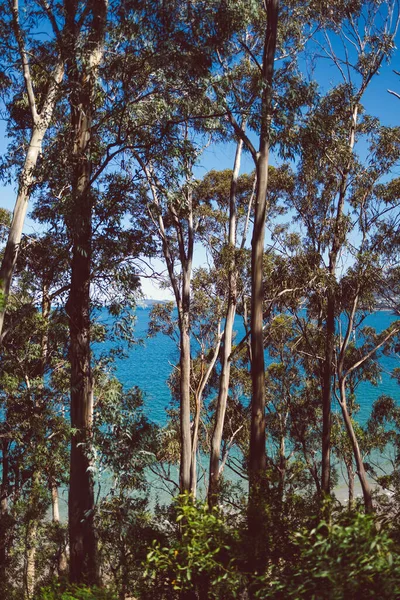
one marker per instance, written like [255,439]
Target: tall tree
[83,61]
[325,194]
[232,269]
[42,95]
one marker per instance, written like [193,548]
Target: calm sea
[149,365]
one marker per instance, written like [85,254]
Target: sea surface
[150,361]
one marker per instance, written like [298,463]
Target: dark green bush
[201,560]
[58,591]
[351,560]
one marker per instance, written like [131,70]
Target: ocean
[149,364]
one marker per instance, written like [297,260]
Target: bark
[337,243]
[181,291]
[186,260]
[81,506]
[350,473]
[327,395]
[62,563]
[186,440]
[205,376]
[195,439]
[21,205]
[55,510]
[216,440]
[40,124]
[257,457]
[30,558]
[369,508]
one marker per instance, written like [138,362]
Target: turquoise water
[149,365]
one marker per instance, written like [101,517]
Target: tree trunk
[186,440]
[350,474]
[55,509]
[337,244]
[40,124]
[62,563]
[21,206]
[257,458]
[327,395]
[369,508]
[82,536]
[195,439]
[227,347]
[30,559]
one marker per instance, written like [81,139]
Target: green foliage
[353,558]
[74,592]
[203,558]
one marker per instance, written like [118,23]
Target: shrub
[58,591]
[201,559]
[344,561]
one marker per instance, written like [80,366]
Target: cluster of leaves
[203,557]
[59,591]
[352,558]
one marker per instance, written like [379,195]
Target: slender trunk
[62,563]
[55,510]
[186,259]
[33,516]
[21,206]
[369,508]
[350,474]
[282,469]
[337,244]
[257,461]
[186,439]
[182,297]
[40,124]
[327,395]
[195,439]
[227,347]
[257,457]
[30,560]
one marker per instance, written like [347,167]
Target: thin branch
[242,135]
[394,94]
[371,352]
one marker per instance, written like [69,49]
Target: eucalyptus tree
[175,216]
[34,429]
[82,62]
[225,253]
[38,80]
[83,187]
[257,459]
[335,185]
[207,302]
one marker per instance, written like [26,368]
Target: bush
[201,559]
[58,591]
[345,561]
